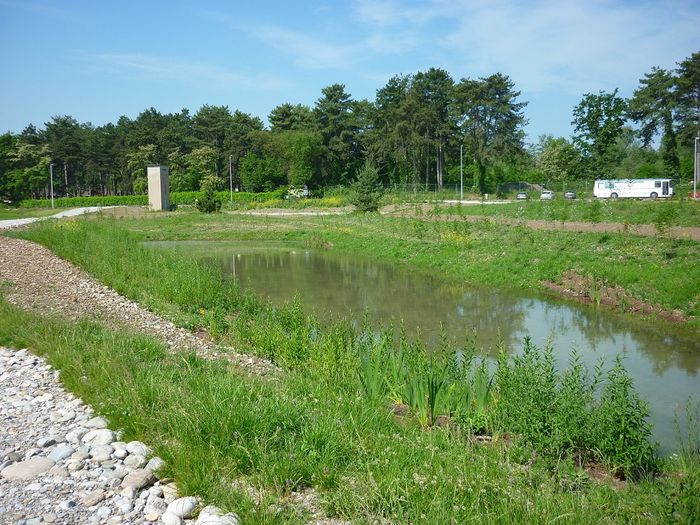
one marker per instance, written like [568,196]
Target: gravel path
[59,464]
[14,223]
[41,281]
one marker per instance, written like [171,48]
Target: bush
[179,198]
[366,189]
[209,202]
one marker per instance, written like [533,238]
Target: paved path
[14,223]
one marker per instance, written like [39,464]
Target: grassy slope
[21,213]
[214,427]
[677,212]
[656,270]
[310,429]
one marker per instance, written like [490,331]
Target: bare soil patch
[592,291]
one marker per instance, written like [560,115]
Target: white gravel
[40,281]
[57,467]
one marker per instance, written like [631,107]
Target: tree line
[415,132]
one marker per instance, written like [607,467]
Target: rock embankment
[40,281]
[60,464]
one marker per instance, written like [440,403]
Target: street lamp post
[461,175]
[696,169]
[51,177]
[230,175]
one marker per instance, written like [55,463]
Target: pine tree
[367,189]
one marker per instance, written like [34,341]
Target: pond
[663,359]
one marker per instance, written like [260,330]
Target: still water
[663,360]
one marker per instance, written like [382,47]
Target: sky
[97,60]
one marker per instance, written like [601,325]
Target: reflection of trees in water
[424,303]
[663,348]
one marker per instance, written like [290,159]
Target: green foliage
[325,421]
[209,202]
[261,174]
[557,159]
[598,122]
[622,432]
[300,151]
[367,190]
[137,162]
[181,198]
[491,121]
[688,93]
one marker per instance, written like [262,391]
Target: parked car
[570,195]
[521,196]
[546,195]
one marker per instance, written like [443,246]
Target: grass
[220,431]
[21,213]
[654,270]
[675,212]
[327,423]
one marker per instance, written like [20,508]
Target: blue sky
[97,60]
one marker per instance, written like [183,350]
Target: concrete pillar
[158,188]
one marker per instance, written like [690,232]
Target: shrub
[366,189]
[209,202]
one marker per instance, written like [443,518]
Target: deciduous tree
[598,122]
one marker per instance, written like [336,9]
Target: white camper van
[652,188]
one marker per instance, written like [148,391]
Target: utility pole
[51,175]
[461,175]
[230,175]
[696,168]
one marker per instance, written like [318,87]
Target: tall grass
[662,213]
[328,423]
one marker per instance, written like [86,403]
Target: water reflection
[663,360]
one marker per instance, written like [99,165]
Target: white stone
[61,452]
[96,422]
[27,469]
[121,453]
[93,498]
[136,447]
[135,461]
[129,492]
[155,504]
[101,452]
[138,479]
[45,442]
[211,515]
[74,436]
[155,463]
[168,518]
[102,436]
[183,507]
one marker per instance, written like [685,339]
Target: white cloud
[172,69]
[306,51]
[575,47]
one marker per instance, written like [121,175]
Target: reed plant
[327,422]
